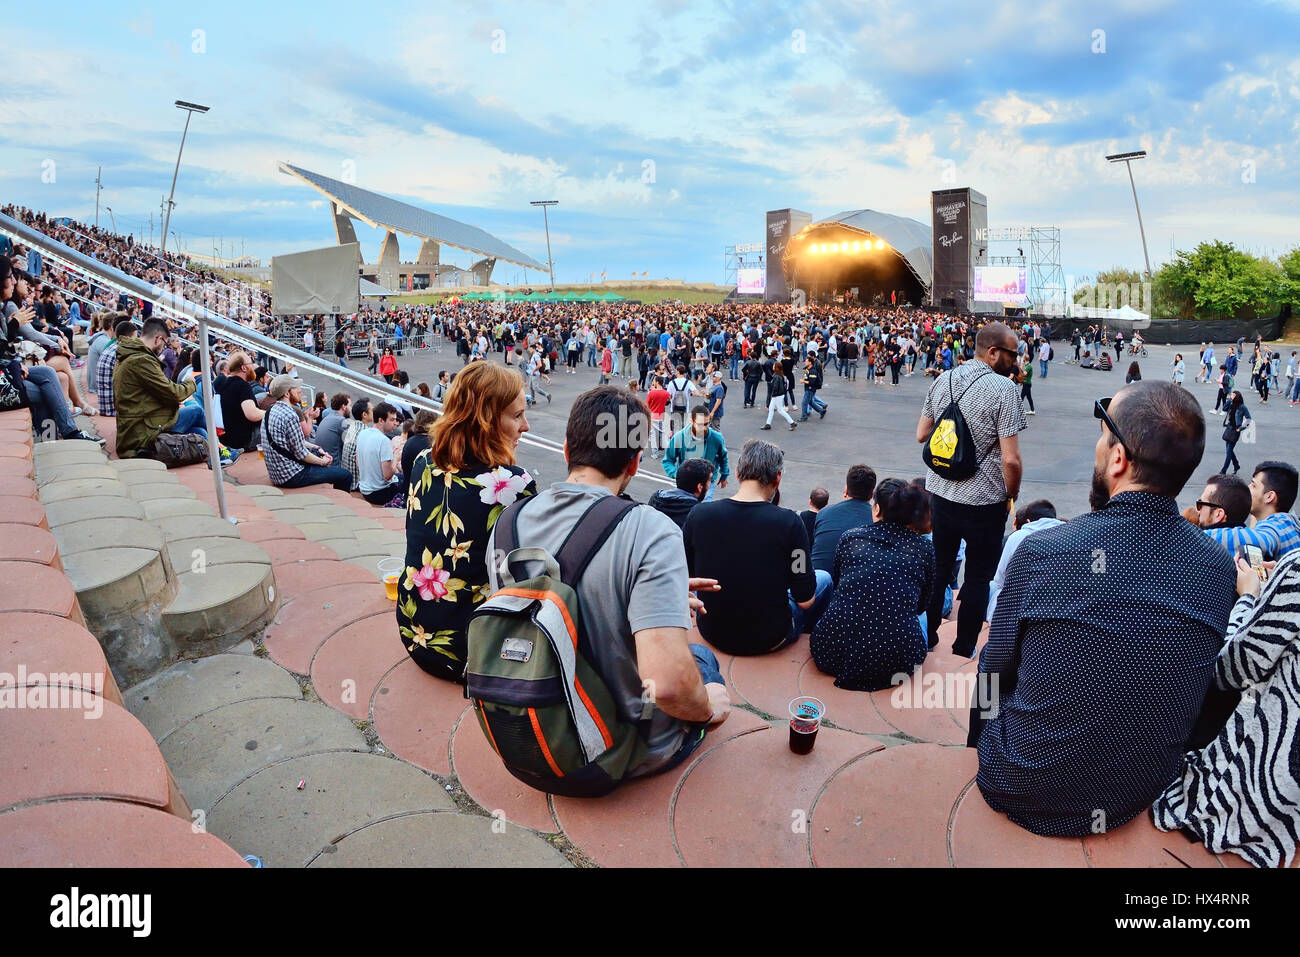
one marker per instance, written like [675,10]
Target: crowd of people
[1137,657]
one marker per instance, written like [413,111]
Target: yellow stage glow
[857,245]
[880,244]
[844,247]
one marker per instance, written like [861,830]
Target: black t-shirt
[239,431]
[416,444]
[626,345]
[757,551]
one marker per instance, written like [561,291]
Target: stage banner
[950,223]
[781,225]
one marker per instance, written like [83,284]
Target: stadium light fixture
[546,221]
[1127,159]
[190,109]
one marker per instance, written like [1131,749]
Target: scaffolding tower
[1046,279]
[742,256]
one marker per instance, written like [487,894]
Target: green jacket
[147,401]
[683,446]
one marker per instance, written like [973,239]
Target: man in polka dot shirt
[1106,633]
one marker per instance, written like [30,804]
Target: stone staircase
[158,576]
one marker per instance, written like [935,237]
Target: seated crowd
[1114,637]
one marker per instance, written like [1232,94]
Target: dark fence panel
[1178,331]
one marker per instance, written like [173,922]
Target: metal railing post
[209,416]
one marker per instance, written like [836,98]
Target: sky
[666,128]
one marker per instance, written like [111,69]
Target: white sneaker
[1031,412]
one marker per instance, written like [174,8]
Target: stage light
[880,244]
[844,247]
[857,245]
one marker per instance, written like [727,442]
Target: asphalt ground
[876,425]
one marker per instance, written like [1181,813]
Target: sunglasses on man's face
[1100,410]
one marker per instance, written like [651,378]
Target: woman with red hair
[458,488]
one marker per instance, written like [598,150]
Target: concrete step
[350,548]
[295,500]
[159,490]
[75,470]
[187,689]
[267,814]
[123,466]
[95,506]
[440,839]
[173,507]
[79,488]
[177,528]
[193,553]
[219,607]
[260,491]
[321,531]
[66,453]
[92,534]
[212,753]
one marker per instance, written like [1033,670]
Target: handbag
[175,450]
[12,395]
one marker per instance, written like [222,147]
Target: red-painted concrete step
[93,747]
[414,714]
[26,586]
[983,837]
[891,808]
[106,834]
[23,510]
[27,543]
[258,532]
[286,551]
[486,780]
[632,827]
[16,468]
[349,667]
[304,623]
[768,682]
[849,710]
[45,645]
[300,577]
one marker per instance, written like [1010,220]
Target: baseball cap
[281,385]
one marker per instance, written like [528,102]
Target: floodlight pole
[190,109]
[1127,159]
[550,263]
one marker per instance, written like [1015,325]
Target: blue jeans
[811,403]
[735,365]
[1295,389]
[805,619]
[710,673]
[334,475]
[189,420]
[1042,364]
[591,355]
[45,397]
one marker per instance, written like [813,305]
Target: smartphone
[1253,555]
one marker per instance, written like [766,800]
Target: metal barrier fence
[208,322]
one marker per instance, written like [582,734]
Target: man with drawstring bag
[969,427]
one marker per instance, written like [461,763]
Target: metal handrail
[191,312]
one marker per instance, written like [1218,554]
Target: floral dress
[449,515]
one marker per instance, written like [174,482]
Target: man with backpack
[680,391]
[590,600]
[969,425]
[753,374]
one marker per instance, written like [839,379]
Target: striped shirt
[281,429]
[1285,528]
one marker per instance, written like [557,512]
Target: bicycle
[1140,350]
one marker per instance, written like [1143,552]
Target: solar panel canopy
[384,211]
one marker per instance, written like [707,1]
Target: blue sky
[665,129]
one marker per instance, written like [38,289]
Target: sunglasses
[1100,411]
[1201,503]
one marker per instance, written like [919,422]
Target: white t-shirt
[373,449]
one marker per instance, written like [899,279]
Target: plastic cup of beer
[806,715]
[390,571]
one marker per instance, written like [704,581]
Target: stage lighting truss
[845,247]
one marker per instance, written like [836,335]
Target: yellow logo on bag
[943,441]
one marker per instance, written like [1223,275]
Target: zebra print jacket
[1241,793]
